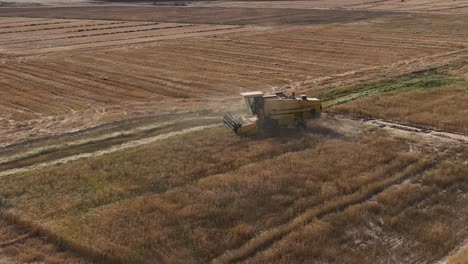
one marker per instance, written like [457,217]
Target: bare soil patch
[393,5]
[198,15]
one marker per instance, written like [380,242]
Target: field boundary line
[348,9]
[380,70]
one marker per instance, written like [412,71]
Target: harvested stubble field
[69,90]
[98,162]
[20,36]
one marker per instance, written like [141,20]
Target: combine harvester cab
[271,112]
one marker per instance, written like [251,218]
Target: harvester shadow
[324,131]
[295,133]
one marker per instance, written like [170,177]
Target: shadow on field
[314,128]
[324,131]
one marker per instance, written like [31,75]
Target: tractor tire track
[83,35]
[433,135]
[268,238]
[123,146]
[80,24]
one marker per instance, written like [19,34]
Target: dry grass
[440,105]
[418,222]
[174,202]
[85,184]
[33,249]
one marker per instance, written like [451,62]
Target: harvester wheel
[269,128]
[301,124]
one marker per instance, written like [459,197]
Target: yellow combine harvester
[270,112]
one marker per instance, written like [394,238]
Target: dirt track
[129,144]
